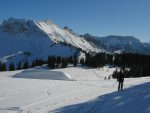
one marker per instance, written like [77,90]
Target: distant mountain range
[119,44]
[22,40]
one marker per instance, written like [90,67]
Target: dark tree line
[98,60]
[11,67]
[132,65]
[61,62]
[38,62]
[52,61]
[3,67]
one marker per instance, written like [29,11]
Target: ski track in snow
[94,107]
[51,98]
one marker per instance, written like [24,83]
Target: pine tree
[82,62]
[26,65]
[3,68]
[11,67]
[88,60]
[58,61]
[19,67]
[64,63]
[33,64]
[70,60]
[75,61]
[37,62]
[0,66]
[51,62]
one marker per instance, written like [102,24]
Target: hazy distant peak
[12,20]
[113,43]
[87,35]
[14,26]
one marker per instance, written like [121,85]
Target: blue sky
[97,17]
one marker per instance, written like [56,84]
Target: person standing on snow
[120,80]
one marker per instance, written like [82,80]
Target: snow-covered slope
[87,93]
[117,44]
[38,40]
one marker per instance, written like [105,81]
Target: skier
[120,80]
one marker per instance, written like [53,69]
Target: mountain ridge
[40,39]
[114,43]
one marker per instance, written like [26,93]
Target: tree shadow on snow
[132,100]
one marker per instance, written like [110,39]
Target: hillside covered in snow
[22,39]
[71,90]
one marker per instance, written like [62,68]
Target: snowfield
[71,90]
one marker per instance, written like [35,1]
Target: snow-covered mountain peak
[40,39]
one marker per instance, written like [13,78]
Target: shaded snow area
[43,74]
[71,90]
